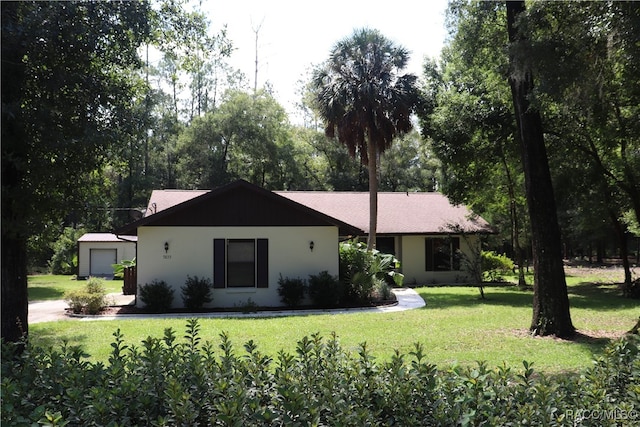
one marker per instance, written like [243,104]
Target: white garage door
[101,261]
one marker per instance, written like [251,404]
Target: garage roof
[106,237]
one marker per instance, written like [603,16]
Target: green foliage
[329,165]
[196,292]
[382,291]
[50,149]
[249,306]
[409,165]
[245,137]
[493,265]
[291,291]
[65,252]
[118,269]
[166,381]
[157,296]
[362,271]
[90,299]
[325,290]
[76,299]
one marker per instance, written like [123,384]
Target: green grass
[52,287]
[455,327]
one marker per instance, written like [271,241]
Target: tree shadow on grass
[586,295]
[590,340]
[599,296]
[593,342]
[40,293]
[47,338]
[443,297]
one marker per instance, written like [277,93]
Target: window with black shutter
[241,263]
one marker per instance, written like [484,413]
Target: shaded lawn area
[52,287]
[456,327]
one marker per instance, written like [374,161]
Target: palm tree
[365,101]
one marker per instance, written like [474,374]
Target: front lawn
[455,327]
[52,287]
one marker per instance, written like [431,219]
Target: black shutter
[262,263]
[219,262]
[428,249]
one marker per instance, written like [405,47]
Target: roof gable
[236,204]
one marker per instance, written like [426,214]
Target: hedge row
[166,381]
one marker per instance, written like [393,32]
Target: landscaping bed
[114,310]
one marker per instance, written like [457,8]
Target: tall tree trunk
[550,300]
[515,229]
[15,304]
[15,205]
[372,153]
[624,250]
[613,209]
[147,115]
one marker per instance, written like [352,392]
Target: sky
[293,36]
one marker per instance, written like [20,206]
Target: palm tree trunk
[372,153]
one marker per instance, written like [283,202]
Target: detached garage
[97,252]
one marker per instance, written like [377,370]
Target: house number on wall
[166,256]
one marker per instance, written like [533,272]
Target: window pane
[441,255]
[428,248]
[240,251]
[241,263]
[386,245]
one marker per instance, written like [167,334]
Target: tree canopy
[68,88]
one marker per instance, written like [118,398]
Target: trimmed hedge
[157,296]
[291,291]
[196,292]
[164,381]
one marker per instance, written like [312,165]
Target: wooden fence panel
[130,281]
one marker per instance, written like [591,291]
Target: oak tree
[67,93]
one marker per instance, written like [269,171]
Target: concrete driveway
[49,311]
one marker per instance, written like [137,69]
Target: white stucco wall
[412,257]
[191,254]
[125,250]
